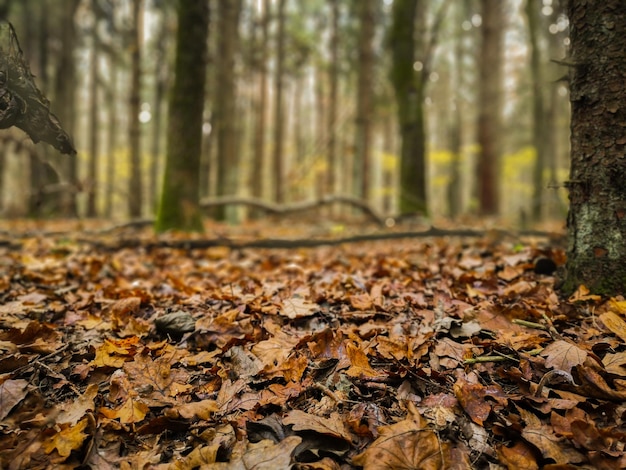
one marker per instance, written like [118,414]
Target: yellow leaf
[67,440]
[132,411]
[614,323]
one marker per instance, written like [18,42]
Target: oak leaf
[67,440]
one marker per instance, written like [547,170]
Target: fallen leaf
[67,440]
[11,393]
[614,323]
[563,355]
[406,444]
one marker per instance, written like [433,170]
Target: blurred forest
[451,108]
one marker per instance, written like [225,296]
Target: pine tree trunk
[597,185]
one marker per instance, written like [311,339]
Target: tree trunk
[279,112]
[93,125]
[489,106]
[135,184]
[65,102]
[181,189]
[111,137]
[225,102]
[333,80]
[258,151]
[363,141]
[455,189]
[321,114]
[597,186]
[409,91]
[539,116]
[160,73]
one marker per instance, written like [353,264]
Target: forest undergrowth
[425,353]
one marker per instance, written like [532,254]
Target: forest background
[301,103]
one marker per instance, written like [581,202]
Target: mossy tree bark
[180,195]
[597,186]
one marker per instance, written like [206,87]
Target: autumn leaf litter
[428,353]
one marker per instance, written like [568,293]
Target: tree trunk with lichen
[597,186]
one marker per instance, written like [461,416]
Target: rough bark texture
[597,186]
[489,119]
[409,91]
[135,184]
[180,196]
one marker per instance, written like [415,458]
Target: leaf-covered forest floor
[424,353]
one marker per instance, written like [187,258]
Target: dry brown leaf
[406,444]
[332,426]
[478,400]
[75,410]
[11,393]
[563,355]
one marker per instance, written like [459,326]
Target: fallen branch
[287,209]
